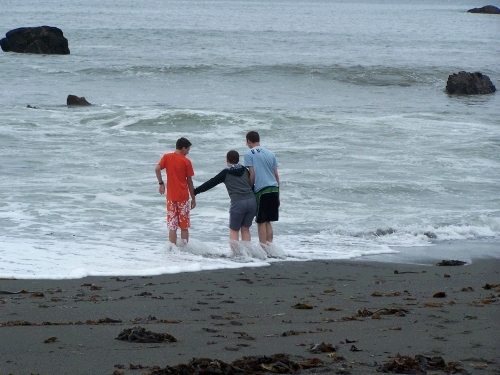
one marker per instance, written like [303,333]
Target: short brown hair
[181,143]
[233,157]
[253,137]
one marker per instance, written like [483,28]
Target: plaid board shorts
[178,215]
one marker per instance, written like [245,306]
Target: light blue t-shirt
[263,162]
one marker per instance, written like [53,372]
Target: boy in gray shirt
[243,204]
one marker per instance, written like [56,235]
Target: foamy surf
[247,250]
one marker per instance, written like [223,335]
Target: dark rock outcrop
[465,83]
[41,40]
[488,9]
[75,100]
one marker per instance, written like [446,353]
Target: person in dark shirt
[243,204]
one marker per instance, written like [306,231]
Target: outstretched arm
[214,181]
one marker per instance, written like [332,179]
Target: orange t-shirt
[178,168]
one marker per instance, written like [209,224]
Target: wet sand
[364,312]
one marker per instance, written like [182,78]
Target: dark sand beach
[365,313]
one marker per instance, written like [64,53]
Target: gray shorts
[241,213]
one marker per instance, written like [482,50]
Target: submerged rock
[469,84]
[39,40]
[488,9]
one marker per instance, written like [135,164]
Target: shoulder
[269,152]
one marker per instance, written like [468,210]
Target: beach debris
[210,330]
[103,321]
[433,304]
[92,286]
[470,317]
[451,263]
[396,272]
[439,295]
[330,291]
[337,358]
[135,367]
[322,348]
[277,363]
[139,334]
[244,336]
[333,309]
[490,286]
[354,349]
[50,340]
[393,294]
[377,314]
[22,291]
[403,364]
[302,306]
[349,319]
[365,313]
[16,323]
[118,279]
[291,333]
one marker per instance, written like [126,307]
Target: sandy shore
[365,313]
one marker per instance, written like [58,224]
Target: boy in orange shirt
[179,171]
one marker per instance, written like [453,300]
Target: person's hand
[161,189]
[193,203]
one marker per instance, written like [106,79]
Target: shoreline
[364,310]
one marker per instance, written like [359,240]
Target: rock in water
[488,9]
[75,100]
[41,40]
[469,84]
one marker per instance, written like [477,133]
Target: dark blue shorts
[241,213]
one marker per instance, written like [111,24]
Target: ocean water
[375,158]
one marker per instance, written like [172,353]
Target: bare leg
[245,234]
[269,232]
[185,235]
[172,236]
[261,230]
[234,235]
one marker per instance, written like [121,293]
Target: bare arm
[158,169]
[252,176]
[191,192]
[278,181]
